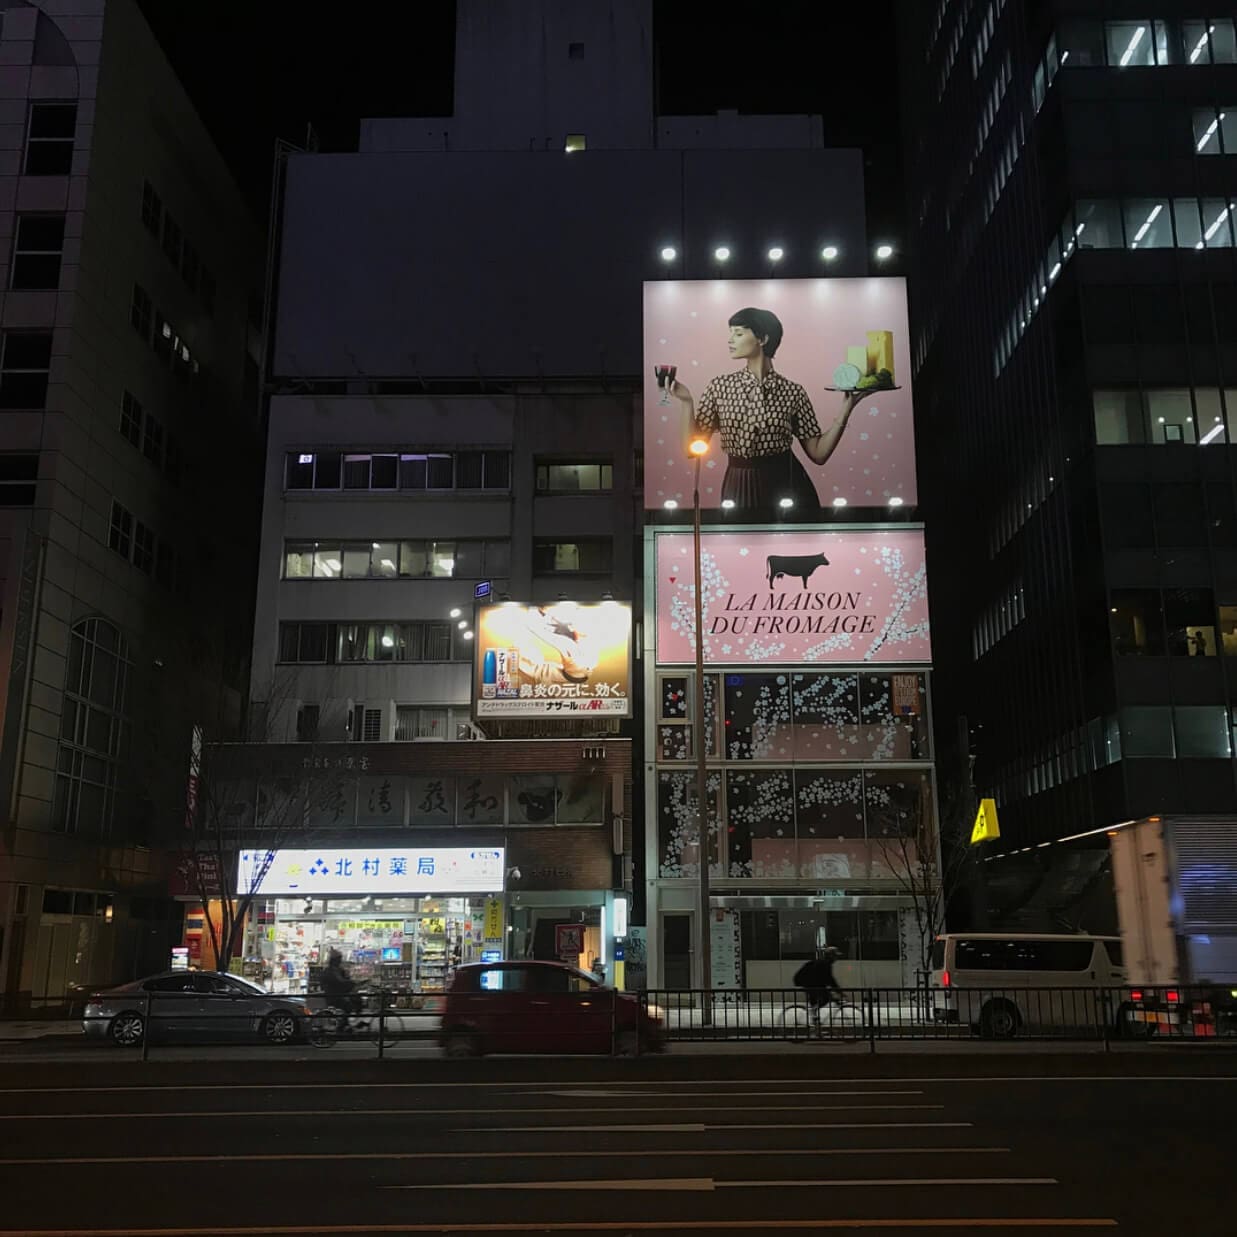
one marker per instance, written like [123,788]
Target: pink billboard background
[685,326]
[845,596]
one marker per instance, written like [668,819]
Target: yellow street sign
[986,827]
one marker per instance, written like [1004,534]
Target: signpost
[569,941]
[482,590]
[987,828]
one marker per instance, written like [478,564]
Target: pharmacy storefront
[402,917]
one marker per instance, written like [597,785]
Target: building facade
[128,367]
[456,373]
[1073,296]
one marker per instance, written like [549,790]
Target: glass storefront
[407,945]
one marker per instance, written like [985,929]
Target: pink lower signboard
[795,597]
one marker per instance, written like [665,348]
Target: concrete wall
[507,264]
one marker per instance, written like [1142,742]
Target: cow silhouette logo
[801,565]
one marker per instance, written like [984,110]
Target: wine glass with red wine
[665,379]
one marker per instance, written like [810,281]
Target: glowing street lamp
[698,448]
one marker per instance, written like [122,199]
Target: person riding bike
[339,988]
[817,980]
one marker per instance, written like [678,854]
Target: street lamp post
[699,447]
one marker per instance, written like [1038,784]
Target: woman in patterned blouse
[759,414]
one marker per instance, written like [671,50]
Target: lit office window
[1148,223]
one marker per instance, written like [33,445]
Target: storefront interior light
[669,253]
[829,252]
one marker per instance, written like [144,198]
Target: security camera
[513,873]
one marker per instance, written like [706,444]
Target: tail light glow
[1136,994]
[1172,996]
[945,979]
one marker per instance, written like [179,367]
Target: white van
[1005,984]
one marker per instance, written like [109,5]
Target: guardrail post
[871,1021]
[146,1031]
[614,1020]
[382,1021]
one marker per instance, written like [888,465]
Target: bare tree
[218,782]
[930,861]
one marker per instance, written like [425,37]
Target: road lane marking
[669,1082]
[564,1226]
[448,1112]
[606,1153]
[730,1094]
[889,1181]
[730,1125]
[585,1183]
[711,1183]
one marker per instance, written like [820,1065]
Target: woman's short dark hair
[764,325]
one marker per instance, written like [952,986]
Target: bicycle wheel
[843,1022]
[386,1031]
[798,1020]
[324,1027]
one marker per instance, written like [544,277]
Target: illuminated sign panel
[795,597]
[559,660]
[802,385]
[372,870]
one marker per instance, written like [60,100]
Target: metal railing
[390,1023]
[944,1014]
[377,1021]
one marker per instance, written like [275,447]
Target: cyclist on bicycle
[816,979]
[339,988]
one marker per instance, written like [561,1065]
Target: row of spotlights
[671,504]
[462,623]
[722,253]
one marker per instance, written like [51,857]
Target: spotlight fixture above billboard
[559,660]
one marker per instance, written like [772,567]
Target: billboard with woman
[801,386]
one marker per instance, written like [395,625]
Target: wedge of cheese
[858,357]
[880,351]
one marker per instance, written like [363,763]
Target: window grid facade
[405,469]
[93,733]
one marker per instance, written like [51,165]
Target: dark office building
[1072,170]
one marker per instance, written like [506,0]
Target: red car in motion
[524,1007]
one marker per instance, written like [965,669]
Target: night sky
[258,71]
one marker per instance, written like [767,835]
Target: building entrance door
[676,951]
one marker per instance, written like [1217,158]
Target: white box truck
[1175,880]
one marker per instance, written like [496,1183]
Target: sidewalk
[42,1028]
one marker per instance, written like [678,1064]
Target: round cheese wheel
[846,376]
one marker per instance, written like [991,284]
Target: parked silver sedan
[193,1007]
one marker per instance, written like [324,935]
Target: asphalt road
[1139,1144]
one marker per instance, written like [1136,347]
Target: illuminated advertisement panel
[372,870]
[802,387]
[799,596]
[557,660]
